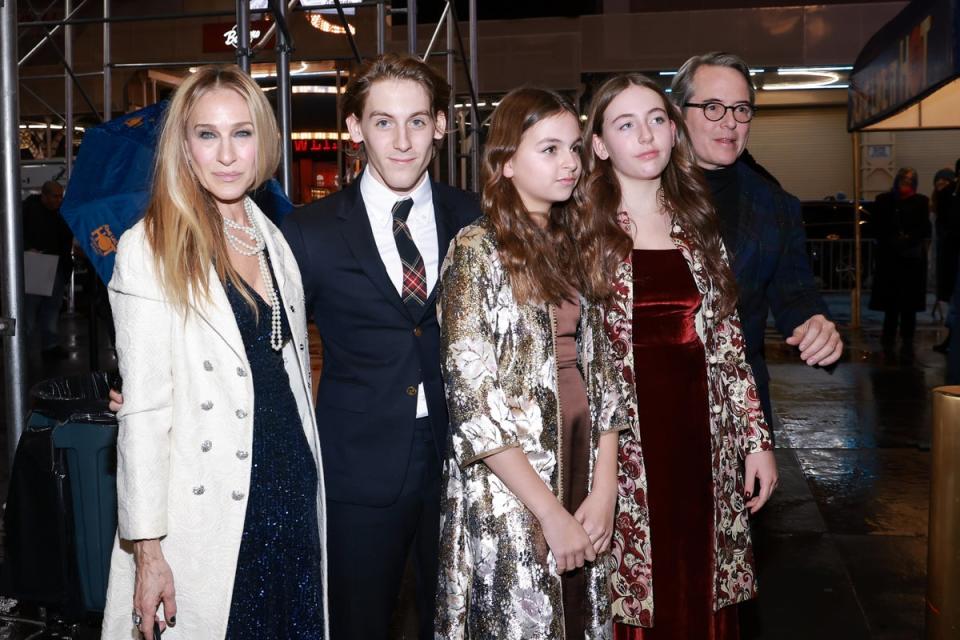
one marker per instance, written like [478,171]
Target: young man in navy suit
[760,222]
[369,256]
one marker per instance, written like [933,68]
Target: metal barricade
[834,264]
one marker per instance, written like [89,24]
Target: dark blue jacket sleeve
[793,292]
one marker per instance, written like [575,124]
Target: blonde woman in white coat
[220,490]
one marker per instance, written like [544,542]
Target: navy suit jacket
[771,265]
[375,351]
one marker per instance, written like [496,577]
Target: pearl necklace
[257,248]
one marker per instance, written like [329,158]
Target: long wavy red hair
[542,262]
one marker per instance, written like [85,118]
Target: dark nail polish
[172,621]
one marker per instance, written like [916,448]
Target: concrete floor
[842,545]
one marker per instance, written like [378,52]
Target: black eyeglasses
[715,111]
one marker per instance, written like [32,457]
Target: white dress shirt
[378,201]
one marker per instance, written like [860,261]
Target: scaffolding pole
[285,113]
[412,27]
[68,92]
[243,35]
[381,27]
[48,37]
[857,236]
[451,109]
[107,71]
[11,275]
[475,86]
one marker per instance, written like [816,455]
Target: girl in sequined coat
[535,401]
[677,338]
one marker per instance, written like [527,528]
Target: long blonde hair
[183,225]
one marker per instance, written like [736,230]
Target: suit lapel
[357,233]
[446,229]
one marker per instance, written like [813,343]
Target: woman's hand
[762,466]
[597,510]
[567,540]
[596,516]
[116,400]
[154,584]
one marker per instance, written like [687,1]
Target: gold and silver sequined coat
[497,580]
[737,428]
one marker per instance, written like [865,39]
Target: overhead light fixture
[810,79]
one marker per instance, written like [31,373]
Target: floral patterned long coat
[497,580]
[737,428]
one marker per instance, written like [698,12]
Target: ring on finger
[137,618]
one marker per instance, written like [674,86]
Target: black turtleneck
[724,186]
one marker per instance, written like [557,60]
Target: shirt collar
[379,200]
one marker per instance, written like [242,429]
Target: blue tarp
[909,58]
[110,185]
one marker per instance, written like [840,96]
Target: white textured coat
[186,434]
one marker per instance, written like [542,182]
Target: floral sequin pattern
[497,578]
[737,428]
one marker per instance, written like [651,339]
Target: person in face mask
[902,226]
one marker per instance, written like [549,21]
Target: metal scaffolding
[11,275]
[462,152]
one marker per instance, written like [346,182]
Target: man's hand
[116,400]
[818,340]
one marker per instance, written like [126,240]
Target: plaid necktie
[414,291]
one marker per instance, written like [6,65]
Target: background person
[946,211]
[45,231]
[901,223]
[219,482]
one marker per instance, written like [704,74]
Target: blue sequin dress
[278,592]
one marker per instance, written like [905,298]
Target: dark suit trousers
[367,548]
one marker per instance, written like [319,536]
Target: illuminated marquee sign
[910,56]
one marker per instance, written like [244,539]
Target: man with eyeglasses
[761,223]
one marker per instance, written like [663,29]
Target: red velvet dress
[670,370]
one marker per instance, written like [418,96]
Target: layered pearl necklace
[257,248]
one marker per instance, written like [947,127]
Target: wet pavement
[842,545]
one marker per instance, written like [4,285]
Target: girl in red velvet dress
[677,337]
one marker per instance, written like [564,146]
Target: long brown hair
[685,193]
[183,224]
[542,262]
